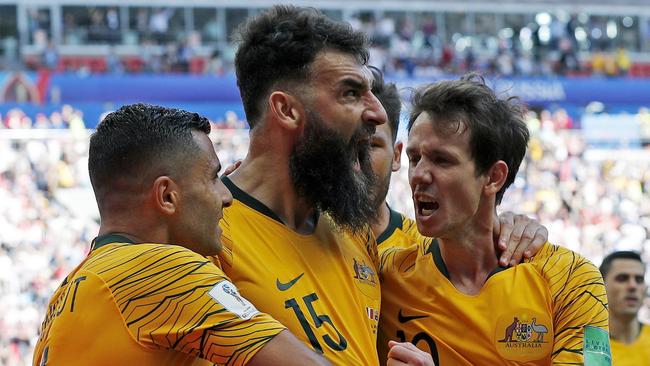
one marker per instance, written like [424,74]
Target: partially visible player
[146,295]
[624,275]
[450,296]
[392,228]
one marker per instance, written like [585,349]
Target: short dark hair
[496,126]
[138,138]
[606,265]
[389,98]
[280,45]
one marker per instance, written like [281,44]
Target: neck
[469,253]
[624,328]
[142,234]
[379,226]
[266,176]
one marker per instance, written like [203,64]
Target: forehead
[626,266]
[332,66]
[207,155]
[425,128]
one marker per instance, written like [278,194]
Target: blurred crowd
[66,118]
[406,43]
[590,203]
[547,46]
[41,239]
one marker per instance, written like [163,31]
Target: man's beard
[322,170]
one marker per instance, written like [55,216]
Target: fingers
[505,223]
[405,353]
[524,238]
[520,238]
[232,167]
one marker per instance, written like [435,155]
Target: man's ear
[497,176]
[397,156]
[286,109]
[165,195]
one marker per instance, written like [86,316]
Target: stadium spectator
[624,275]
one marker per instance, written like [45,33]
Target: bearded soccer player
[624,275]
[146,295]
[449,296]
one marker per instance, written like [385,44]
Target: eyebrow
[355,83]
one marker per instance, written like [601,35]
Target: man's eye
[351,93]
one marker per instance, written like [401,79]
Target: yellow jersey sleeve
[151,304]
[579,305]
[173,298]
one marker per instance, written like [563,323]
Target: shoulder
[570,274]
[402,259]
[553,259]
[148,261]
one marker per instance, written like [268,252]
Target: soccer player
[146,295]
[449,296]
[624,275]
[392,228]
[296,238]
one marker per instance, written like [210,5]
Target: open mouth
[427,207]
[360,152]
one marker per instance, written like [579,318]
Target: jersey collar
[434,249]
[394,222]
[109,238]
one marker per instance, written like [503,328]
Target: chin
[427,231]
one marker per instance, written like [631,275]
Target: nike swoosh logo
[405,318]
[285,286]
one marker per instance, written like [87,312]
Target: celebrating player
[449,295]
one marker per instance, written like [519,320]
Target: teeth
[427,207]
[427,212]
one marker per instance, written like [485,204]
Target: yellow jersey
[323,286]
[149,304]
[636,353]
[401,232]
[552,309]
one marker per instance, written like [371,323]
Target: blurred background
[582,66]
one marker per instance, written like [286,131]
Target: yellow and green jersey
[552,309]
[149,304]
[401,232]
[323,286]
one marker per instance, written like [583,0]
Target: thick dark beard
[322,171]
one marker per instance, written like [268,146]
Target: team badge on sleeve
[226,294]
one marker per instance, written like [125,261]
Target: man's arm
[580,315]
[519,237]
[285,349]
